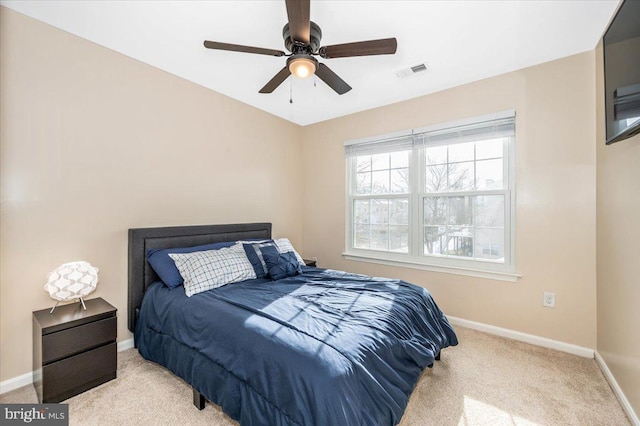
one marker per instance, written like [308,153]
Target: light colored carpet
[485,380]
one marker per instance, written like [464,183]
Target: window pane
[400,181]
[461,176]
[380,211]
[380,162]
[389,229]
[460,241]
[361,211]
[399,212]
[436,178]
[460,211]
[489,210]
[380,182]
[399,239]
[363,183]
[435,240]
[361,237]
[461,152]
[490,148]
[379,237]
[400,159]
[489,174]
[436,155]
[363,163]
[435,210]
[490,244]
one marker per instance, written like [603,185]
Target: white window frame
[415,259]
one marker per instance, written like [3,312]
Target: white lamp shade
[72,280]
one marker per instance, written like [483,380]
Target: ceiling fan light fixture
[303,66]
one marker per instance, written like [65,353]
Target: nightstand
[310,262]
[73,350]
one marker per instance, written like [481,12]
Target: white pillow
[284,246]
[205,270]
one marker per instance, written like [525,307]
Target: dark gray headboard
[141,275]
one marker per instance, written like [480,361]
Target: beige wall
[94,143]
[555,180]
[618,251]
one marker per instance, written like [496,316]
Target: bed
[323,347]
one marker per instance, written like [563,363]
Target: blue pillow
[165,267]
[280,265]
[255,257]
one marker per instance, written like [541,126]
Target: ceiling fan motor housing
[315,35]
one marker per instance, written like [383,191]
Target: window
[438,196]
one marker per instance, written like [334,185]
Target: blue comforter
[322,348]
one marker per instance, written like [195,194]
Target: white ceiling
[460,41]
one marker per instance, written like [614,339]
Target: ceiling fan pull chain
[291,90]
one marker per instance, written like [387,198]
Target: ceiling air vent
[407,72]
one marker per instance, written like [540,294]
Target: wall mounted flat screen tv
[621,45]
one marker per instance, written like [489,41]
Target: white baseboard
[524,337]
[27,378]
[16,382]
[626,406]
[125,344]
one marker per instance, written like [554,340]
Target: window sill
[492,275]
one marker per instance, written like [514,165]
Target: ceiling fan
[302,38]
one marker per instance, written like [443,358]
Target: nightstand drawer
[71,376]
[74,340]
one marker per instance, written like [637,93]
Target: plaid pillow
[165,267]
[205,270]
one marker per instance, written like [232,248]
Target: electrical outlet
[549,300]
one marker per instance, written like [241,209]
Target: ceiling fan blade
[385,46]
[239,48]
[276,80]
[336,83]
[299,20]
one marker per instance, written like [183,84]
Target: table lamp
[73,280]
